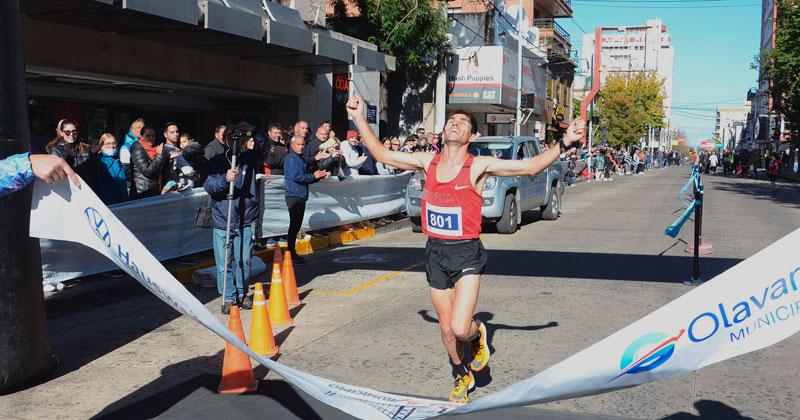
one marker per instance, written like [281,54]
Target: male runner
[451,217]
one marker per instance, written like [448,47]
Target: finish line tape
[752,305]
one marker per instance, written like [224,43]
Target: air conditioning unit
[311,11]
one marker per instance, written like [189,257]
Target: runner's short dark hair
[472,121]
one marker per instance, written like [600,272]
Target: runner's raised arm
[402,160]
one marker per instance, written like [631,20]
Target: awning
[240,28]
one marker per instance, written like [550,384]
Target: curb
[303,246]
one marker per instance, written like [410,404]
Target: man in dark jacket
[245,210]
[277,153]
[149,163]
[296,180]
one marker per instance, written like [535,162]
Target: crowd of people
[744,163]
[149,160]
[607,161]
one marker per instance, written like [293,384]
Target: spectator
[384,169]
[420,132]
[133,135]
[369,167]
[609,165]
[423,145]
[773,170]
[350,152]
[300,129]
[17,171]
[297,178]
[713,161]
[149,161]
[314,156]
[194,154]
[409,144]
[433,143]
[245,212]
[599,166]
[67,146]
[108,181]
[178,168]
[636,162]
[273,163]
[217,145]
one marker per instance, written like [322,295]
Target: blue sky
[714,46]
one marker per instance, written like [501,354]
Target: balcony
[553,8]
[549,28]
[557,54]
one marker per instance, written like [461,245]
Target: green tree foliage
[413,31]
[782,64]
[627,105]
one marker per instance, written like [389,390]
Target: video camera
[237,135]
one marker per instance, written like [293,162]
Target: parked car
[506,197]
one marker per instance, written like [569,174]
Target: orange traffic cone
[289,283]
[261,339]
[278,309]
[237,374]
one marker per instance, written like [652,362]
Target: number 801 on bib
[445,221]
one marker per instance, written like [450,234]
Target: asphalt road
[550,290]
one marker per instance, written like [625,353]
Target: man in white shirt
[350,154]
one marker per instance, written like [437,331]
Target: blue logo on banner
[660,350]
[98,225]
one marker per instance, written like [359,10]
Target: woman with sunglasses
[67,146]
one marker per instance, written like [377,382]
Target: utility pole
[23,336]
[591,122]
[520,37]
[440,106]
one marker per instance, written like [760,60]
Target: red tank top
[451,210]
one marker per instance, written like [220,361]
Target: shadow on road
[708,410]
[788,193]
[198,398]
[491,327]
[553,264]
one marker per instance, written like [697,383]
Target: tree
[782,64]
[413,31]
[628,105]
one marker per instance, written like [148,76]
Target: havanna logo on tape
[758,306]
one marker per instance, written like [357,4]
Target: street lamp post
[520,37]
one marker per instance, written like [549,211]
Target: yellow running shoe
[463,384]
[480,349]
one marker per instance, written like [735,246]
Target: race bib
[445,221]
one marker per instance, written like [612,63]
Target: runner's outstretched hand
[575,132]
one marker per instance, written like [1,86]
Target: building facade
[730,125]
[627,50]
[199,64]
[763,122]
[483,77]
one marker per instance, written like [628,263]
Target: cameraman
[245,209]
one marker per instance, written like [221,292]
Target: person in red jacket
[451,218]
[773,170]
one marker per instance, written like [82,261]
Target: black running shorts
[446,261]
